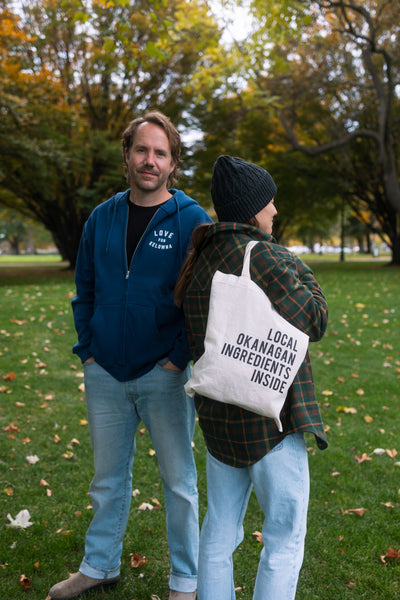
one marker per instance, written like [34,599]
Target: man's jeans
[281,484]
[115,411]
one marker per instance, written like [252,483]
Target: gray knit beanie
[240,189]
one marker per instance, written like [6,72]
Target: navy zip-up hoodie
[125,315]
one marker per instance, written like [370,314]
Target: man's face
[149,161]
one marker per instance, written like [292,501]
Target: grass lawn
[354,511]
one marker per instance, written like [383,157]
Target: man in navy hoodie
[132,343]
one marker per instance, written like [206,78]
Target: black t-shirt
[138,220]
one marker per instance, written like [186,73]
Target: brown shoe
[79,584]
[173,595]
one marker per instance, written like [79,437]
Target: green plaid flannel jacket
[233,435]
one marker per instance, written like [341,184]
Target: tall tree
[75,73]
[332,68]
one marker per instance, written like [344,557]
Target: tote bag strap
[246,259]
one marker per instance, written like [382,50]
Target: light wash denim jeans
[281,484]
[115,411]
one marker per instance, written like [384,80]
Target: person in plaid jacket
[246,450]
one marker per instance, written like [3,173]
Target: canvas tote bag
[251,353]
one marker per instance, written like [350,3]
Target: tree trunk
[396,249]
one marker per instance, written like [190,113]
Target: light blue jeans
[115,411]
[281,484]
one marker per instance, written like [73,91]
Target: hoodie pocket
[106,329]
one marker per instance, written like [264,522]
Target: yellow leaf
[368,419]
[68,455]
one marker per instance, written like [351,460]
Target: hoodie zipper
[137,245]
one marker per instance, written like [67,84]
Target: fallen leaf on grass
[346,410]
[68,455]
[62,531]
[145,506]
[39,364]
[390,553]
[392,453]
[10,428]
[32,459]
[137,560]
[258,536]
[22,520]
[73,442]
[25,582]
[9,377]
[364,457]
[18,321]
[355,511]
